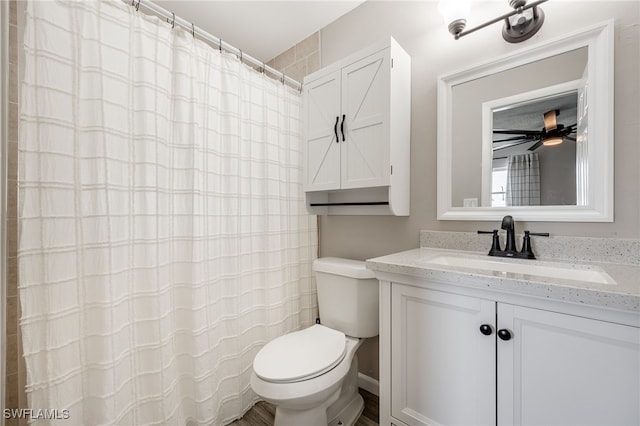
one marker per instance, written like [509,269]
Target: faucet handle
[526,243]
[495,245]
[537,234]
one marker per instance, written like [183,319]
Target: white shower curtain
[163,234]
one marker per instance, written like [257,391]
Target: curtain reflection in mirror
[523,180]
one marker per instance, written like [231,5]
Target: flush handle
[486,329]
[504,334]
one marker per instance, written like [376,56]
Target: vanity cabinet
[443,369]
[455,359]
[561,369]
[356,126]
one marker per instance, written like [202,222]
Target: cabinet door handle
[335,129]
[504,334]
[342,126]
[486,329]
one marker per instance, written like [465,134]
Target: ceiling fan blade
[516,132]
[571,129]
[535,146]
[516,138]
[498,148]
[566,131]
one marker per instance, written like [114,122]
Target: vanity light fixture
[519,25]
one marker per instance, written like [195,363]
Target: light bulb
[453,10]
[556,140]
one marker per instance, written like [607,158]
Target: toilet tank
[347,296]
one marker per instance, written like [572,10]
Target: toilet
[311,375]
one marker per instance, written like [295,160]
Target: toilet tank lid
[345,267]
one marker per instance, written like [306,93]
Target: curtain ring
[173,20]
[283,79]
[241,59]
[263,67]
[193,30]
[137,5]
[220,46]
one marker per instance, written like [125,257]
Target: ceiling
[530,116]
[260,28]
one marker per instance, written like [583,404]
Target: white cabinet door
[443,367]
[322,148]
[561,369]
[364,133]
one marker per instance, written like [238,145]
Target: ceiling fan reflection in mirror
[553,133]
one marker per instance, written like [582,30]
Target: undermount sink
[559,271]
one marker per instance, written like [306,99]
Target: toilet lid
[300,355]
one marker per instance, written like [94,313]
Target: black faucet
[507,224]
[510,249]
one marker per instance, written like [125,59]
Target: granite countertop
[621,292]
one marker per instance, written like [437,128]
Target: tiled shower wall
[299,60]
[15,396]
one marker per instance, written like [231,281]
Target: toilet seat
[301,355]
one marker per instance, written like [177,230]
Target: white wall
[418,27]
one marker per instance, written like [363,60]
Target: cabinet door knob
[504,334]
[335,129]
[486,329]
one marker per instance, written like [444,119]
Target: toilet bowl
[311,375]
[306,399]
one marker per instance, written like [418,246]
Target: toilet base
[342,408]
[312,417]
[349,414]
[349,405]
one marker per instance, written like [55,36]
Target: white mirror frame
[599,41]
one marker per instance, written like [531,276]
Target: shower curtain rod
[172,19]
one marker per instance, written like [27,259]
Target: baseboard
[369,384]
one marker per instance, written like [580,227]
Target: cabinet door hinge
[391,169]
[391,62]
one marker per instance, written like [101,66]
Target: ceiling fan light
[553,140]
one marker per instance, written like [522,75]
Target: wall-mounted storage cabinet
[357,133]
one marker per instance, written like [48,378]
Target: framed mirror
[530,134]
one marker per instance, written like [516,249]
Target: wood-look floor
[263,413]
